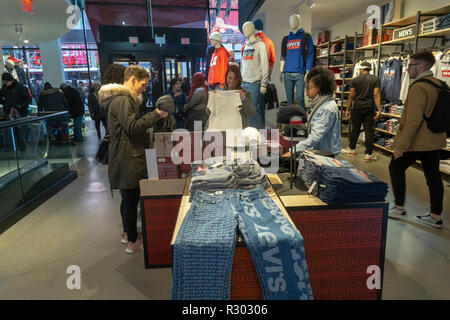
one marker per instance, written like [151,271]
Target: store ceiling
[46,23]
[325,13]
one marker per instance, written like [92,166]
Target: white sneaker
[124,239]
[349,151]
[395,212]
[369,157]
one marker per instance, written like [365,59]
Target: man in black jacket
[14,96]
[76,109]
[52,99]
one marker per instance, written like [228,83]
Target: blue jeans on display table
[296,80]
[254,88]
[204,249]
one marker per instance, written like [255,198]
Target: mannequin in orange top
[219,62]
[259,26]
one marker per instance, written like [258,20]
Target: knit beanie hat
[165,103]
[258,24]
[7,77]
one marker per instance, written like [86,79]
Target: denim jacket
[325,130]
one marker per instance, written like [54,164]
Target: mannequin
[255,72]
[219,62]
[295,66]
[9,66]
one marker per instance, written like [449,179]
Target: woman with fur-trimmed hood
[128,140]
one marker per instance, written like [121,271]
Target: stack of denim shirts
[392,108]
[437,23]
[309,166]
[349,185]
[204,248]
[245,176]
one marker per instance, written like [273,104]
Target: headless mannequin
[248,29]
[270,69]
[294,24]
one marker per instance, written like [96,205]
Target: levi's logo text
[248,54]
[294,44]
[446,73]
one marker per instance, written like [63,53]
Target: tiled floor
[81,226]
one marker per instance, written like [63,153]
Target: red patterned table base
[160,219]
[339,245]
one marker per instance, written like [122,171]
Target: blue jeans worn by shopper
[254,88]
[296,80]
[204,248]
[77,123]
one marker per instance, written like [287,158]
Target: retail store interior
[63,209]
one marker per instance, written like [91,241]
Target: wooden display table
[340,242]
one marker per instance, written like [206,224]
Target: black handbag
[103,151]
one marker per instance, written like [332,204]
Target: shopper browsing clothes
[128,130]
[14,97]
[414,141]
[97,114]
[76,109]
[233,80]
[324,126]
[196,109]
[364,97]
[179,99]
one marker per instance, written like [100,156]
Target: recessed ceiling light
[26,41]
[123,22]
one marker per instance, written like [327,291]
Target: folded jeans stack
[309,166]
[437,23]
[349,185]
[204,248]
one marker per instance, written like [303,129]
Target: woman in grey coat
[196,109]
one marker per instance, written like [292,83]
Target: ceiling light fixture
[123,23]
[26,41]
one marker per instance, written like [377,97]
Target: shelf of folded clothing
[323,45]
[385,131]
[397,41]
[322,56]
[338,40]
[437,33]
[341,53]
[412,19]
[391,115]
[341,65]
[369,47]
[383,148]
[345,92]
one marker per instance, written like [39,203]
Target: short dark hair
[427,57]
[136,71]
[323,79]
[237,73]
[174,82]
[114,74]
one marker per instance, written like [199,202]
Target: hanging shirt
[269,46]
[294,53]
[405,81]
[391,80]
[218,66]
[443,67]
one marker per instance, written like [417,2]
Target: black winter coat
[15,96]
[129,138]
[52,100]
[76,105]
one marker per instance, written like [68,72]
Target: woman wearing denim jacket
[324,125]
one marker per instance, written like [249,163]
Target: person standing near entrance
[414,141]
[76,110]
[363,100]
[179,99]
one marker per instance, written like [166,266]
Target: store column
[51,59]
